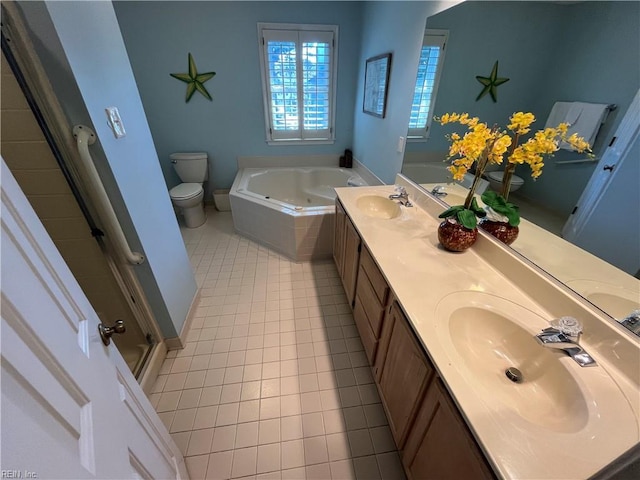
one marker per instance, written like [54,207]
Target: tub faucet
[564,334]
[402,196]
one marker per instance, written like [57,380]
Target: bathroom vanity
[441,329]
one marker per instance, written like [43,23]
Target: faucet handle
[568,325]
[401,190]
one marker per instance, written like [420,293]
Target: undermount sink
[378,207]
[485,335]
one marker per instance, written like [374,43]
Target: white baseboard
[152,369]
[176,343]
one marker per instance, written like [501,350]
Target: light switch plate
[401,143]
[115,122]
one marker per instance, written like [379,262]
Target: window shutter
[298,75]
[280,52]
[317,53]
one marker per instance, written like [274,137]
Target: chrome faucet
[564,334]
[438,191]
[402,196]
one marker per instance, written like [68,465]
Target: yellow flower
[520,122]
[484,145]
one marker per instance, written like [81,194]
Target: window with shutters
[424,95]
[298,65]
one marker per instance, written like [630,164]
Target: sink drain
[513,374]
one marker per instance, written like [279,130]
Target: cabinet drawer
[370,302]
[378,282]
[369,341]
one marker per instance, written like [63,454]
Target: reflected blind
[424,94]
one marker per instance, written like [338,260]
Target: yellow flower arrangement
[483,145]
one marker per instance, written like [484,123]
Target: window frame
[432,37]
[303,30]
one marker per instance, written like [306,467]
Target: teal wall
[222,36]
[396,27]
[588,51]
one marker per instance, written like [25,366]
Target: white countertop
[614,291]
[421,274]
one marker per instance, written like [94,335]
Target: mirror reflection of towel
[583,118]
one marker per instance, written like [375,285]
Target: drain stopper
[513,374]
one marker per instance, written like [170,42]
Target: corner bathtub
[290,210]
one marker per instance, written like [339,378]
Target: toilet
[495,181]
[188,197]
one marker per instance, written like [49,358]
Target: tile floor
[273,382]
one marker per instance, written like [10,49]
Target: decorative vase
[504,232]
[455,237]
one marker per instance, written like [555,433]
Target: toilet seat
[185,191]
[497,176]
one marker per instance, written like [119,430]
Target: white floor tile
[223,438]
[273,382]
[200,442]
[244,462]
[269,431]
[292,454]
[246,435]
[269,458]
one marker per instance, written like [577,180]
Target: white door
[604,177]
[70,407]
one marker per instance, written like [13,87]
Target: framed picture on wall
[376,83]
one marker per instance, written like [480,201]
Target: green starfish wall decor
[491,83]
[194,80]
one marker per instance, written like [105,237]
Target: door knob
[107,332]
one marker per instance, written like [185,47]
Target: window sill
[301,142]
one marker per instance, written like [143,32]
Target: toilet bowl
[495,181]
[188,197]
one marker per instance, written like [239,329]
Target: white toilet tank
[191,167]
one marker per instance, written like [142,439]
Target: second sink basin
[489,343]
[378,207]
[484,335]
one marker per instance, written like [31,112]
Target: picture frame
[376,85]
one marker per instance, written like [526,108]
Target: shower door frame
[32,72]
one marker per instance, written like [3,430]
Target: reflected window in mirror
[424,95]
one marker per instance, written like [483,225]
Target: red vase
[501,230]
[455,237]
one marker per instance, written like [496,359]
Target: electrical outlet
[115,122]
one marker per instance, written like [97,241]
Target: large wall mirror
[552,51]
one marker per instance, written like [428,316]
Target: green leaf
[476,209]
[451,211]
[467,218]
[498,204]
[514,217]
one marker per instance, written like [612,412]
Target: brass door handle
[107,332]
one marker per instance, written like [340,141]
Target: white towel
[583,118]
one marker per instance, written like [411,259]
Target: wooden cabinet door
[351,260]
[405,376]
[440,445]
[338,237]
